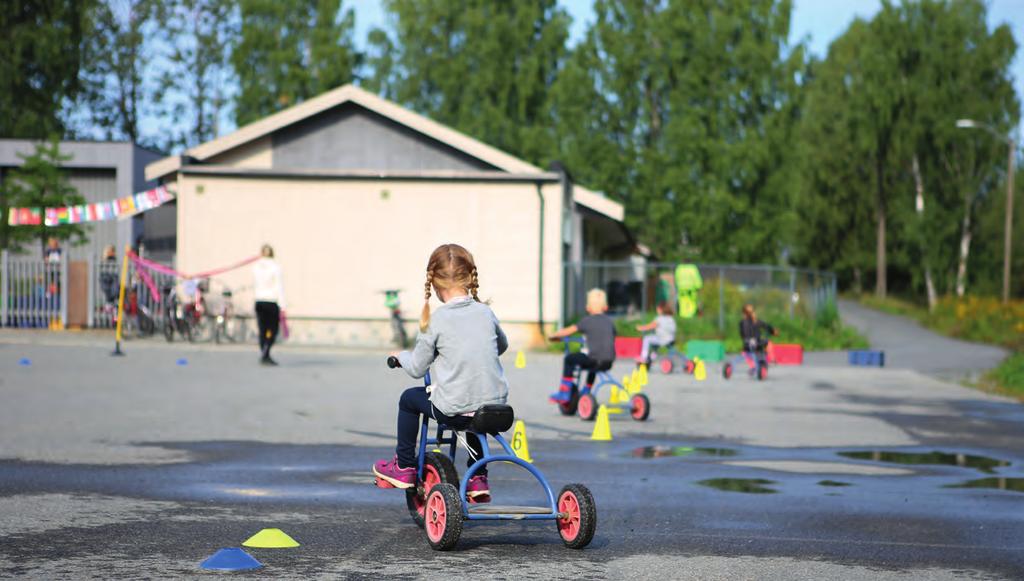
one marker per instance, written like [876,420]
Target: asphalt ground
[142,466]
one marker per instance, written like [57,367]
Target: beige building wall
[341,242]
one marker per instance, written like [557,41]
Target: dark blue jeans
[411,405]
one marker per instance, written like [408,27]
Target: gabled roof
[385,108]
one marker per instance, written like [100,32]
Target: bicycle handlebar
[393,362]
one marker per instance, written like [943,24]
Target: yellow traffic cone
[520,359]
[699,371]
[614,398]
[602,428]
[519,444]
[643,375]
[271,539]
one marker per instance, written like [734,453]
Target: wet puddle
[981,463]
[665,451]
[833,483]
[746,485]
[1014,484]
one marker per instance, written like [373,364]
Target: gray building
[103,171]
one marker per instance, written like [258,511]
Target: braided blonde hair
[449,266]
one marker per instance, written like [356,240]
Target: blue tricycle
[436,502]
[583,400]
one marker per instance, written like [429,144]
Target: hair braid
[474,284]
[425,316]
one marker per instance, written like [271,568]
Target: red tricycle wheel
[443,517]
[437,469]
[762,372]
[690,366]
[666,365]
[640,407]
[587,407]
[577,519]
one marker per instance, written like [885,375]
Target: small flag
[51,216]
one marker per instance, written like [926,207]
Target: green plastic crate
[706,350]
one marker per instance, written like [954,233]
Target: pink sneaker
[388,471]
[477,489]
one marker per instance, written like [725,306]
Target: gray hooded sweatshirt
[463,343]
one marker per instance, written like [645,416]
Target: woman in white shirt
[268,291]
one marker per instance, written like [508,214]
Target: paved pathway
[908,345]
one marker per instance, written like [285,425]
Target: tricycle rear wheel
[437,469]
[577,518]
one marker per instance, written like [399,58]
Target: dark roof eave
[472,176]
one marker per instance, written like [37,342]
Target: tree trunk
[880,260]
[965,251]
[929,283]
[858,286]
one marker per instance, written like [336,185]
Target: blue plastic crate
[868,358]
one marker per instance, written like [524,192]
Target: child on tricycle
[752,332]
[599,332]
[664,336]
[462,340]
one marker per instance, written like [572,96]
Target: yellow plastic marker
[614,398]
[520,359]
[643,375]
[519,443]
[602,428]
[271,539]
[699,371]
[634,378]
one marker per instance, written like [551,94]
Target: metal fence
[36,294]
[32,292]
[635,287]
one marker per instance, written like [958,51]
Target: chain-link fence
[635,287]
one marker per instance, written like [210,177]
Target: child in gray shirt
[462,340]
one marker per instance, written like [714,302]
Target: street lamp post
[1011,167]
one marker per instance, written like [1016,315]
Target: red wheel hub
[569,521]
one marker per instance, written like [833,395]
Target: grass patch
[1007,379]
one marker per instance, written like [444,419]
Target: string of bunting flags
[95,212]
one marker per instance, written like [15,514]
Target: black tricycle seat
[493,418]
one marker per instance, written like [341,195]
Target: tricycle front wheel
[443,517]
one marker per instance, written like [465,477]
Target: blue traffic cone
[233,559]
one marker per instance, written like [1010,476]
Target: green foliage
[287,52]
[482,67]
[41,53]
[193,85]
[685,111]
[880,125]
[40,182]
[119,51]
[1008,378]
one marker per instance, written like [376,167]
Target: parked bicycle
[394,304]
[228,326]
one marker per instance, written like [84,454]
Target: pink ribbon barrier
[143,265]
